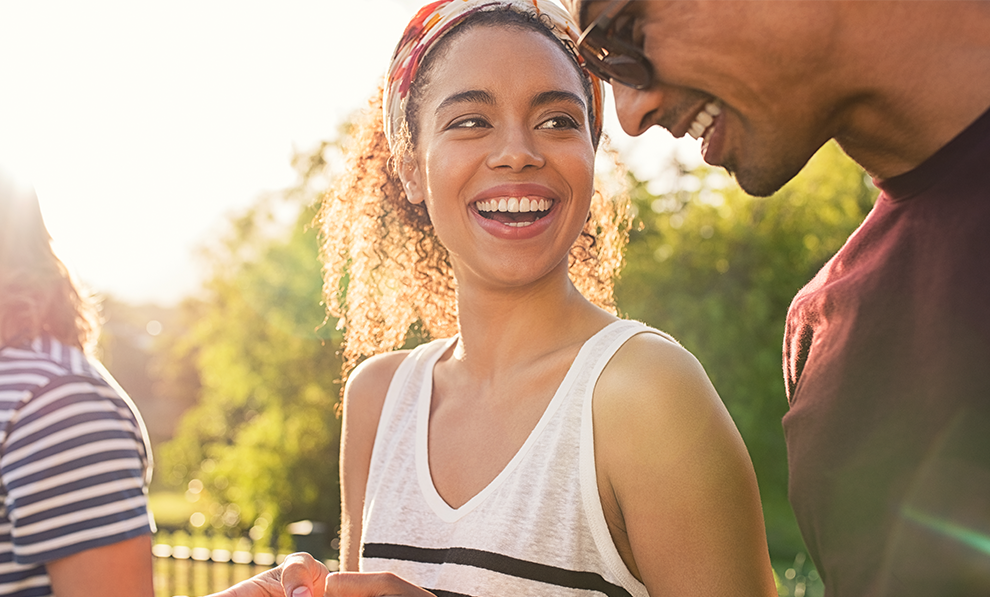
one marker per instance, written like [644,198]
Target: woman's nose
[516,149]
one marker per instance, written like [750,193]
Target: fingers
[302,575]
[371,584]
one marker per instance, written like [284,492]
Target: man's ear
[412,180]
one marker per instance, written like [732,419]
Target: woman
[74,460]
[546,447]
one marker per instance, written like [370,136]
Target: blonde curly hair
[385,271]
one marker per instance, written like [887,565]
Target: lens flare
[974,539]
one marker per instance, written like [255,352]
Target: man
[887,350]
[74,461]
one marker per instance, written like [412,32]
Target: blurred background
[177,150]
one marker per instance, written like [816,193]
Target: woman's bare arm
[364,396]
[677,484]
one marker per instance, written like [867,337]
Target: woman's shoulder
[655,398]
[364,395]
[369,382]
[668,456]
[373,376]
[654,352]
[652,373]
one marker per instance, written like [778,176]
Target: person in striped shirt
[74,458]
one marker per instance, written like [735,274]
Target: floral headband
[435,20]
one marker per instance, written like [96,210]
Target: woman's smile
[508,207]
[514,211]
[504,158]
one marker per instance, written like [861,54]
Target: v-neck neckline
[440,507]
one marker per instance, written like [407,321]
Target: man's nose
[638,110]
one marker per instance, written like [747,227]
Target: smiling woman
[540,445]
[386,269]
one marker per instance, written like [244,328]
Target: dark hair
[506,18]
[385,271]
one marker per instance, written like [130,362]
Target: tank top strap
[608,342]
[600,349]
[400,404]
[409,373]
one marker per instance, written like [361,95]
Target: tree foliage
[717,269]
[707,263]
[261,444]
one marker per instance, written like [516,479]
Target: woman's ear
[412,181]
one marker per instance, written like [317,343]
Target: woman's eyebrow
[484,97]
[550,97]
[471,96]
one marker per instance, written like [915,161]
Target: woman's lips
[514,211]
[514,205]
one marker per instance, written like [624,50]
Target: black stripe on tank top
[440,593]
[496,562]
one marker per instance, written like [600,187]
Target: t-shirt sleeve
[74,467]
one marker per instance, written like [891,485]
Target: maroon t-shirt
[887,368]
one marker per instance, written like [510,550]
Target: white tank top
[536,529]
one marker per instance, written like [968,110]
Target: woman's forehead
[502,58]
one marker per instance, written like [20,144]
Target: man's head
[749,78]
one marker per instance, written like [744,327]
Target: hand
[299,575]
[369,584]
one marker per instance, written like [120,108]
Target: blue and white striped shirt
[74,463]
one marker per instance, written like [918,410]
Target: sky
[145,126]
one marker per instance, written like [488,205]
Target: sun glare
[144,127]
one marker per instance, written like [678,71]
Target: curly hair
[385,271]
[38,295]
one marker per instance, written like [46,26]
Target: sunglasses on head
[614,59]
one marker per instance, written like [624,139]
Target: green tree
[717,269]
[261,444]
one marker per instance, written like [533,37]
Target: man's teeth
[515,204]
[704,119]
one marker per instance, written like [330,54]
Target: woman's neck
[500,328]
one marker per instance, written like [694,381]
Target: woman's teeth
[704,119]
[514,204]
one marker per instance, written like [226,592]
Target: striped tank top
[537,529]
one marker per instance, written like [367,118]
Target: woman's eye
[559,122]
[470,123]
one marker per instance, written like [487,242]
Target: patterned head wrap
[435,20]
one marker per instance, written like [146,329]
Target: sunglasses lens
[617,67]
[628,71]
[613,61]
